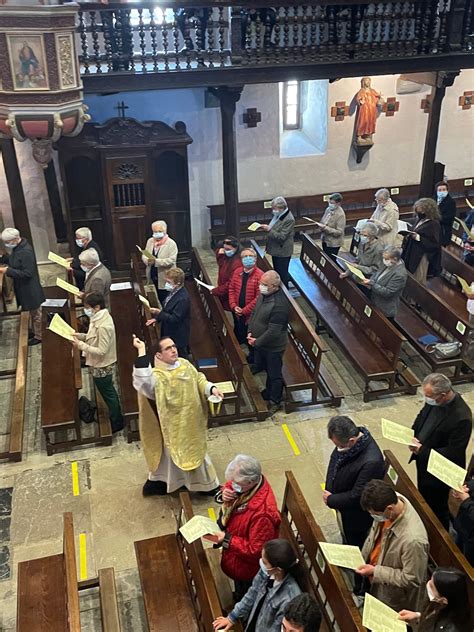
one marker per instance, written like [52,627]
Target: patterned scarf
[356,449]
[157,243]
[240,501]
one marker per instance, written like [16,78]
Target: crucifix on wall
[121,107]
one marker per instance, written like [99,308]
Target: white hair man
[84,241]
[165,254]
[280,238]
[444,424]
[97,276]
[22,268]
[385,217]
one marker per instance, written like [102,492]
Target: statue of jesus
[367,101]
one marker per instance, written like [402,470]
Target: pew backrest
[443,551]
[370,320]
[315,575]
[452,265]
[149,334]
[70,571]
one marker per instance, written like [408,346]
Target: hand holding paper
[254,226]
[197,527]
[342,555]
[68,287]
[52,256]
[144,300]
[146,253]
[447,471]
[352,268]
[208,287]
[397,432]
[379,617]
[61,328]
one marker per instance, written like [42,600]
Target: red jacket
[251,526]
[227,266]
[252,291]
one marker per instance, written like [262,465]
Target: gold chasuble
[182,426]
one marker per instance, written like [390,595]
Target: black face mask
[421,215]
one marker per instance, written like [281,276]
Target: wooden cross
[121,107]
[340,110]
[390,106]
[252,117]
[467,100]
[426,104]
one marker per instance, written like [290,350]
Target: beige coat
[386,221]
[167,256]
[98,344]
[99,281]
[400,573]
[335,221]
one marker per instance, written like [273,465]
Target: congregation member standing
[385,217]
[98,278]
[175,313]
[302,614]
[396,549]
[244,292]
[422,246]
[249,517]
[22,268]
[98,346]
[280,238]
[165,254]
[84,241]
[387,284]
[332,226]
[464,520]
[273,587]
[447,210]
[355,460]
[228,261]
[268,335]
[444,424]
[174,442]
[447,607]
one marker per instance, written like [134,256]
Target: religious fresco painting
[28,62]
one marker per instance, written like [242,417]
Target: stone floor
[110,509]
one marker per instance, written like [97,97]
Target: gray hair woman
[369,255]
[387,284]
[164,251]
[332,226]
[422,246]
[249,517]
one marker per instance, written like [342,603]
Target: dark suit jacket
[447,208]
[79,274]
[449,436]
[175,318]
[22,268]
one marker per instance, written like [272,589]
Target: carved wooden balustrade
[143,37]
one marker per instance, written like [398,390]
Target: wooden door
[128,193]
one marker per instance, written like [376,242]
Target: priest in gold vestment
[173,412]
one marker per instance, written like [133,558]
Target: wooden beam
[15,189]
[228,97]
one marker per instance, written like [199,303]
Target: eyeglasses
[167,348]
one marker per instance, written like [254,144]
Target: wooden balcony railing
[144,37]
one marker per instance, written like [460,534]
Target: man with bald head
[268,335]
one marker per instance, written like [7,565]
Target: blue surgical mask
[236,487]
[84,269]
[378,518]
[276,212]
[331,206]
[169,286]
[364,239]
[442,195]
[229,253]
[263,567]
[79,243]
[430,401]
[89,312]
[248,261]
[158,235]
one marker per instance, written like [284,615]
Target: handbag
[444,350]
[87,410]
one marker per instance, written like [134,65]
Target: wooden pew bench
[179,590]
[443,551]
[314,575]
[60,384]
[17,411]
[48,591]
[303,360]
[448,288]
[368,339]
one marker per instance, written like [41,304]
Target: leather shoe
[273,407]
[264,395]
[211,492]
[34,341]
[155,488]
[254,369]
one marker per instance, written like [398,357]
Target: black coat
[464,523]
[22,268]
[79,274]
[429,245]
[175,318]
[447,209]
[346,485]
[449,435]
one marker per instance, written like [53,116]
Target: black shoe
[154,488]
[273,407]
[264,395]
[212,492]
[30,335]
[117,427]
[254,369]
[34,341]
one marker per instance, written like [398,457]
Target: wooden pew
[324,581]
[48,591]
[443,551]
[303,367]
[17,414]
[368,339]
[220,342]
[60,384]
[179,591]
[434,317]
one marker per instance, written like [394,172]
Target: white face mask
[346,449]
[388,263]
[84,269]
[263,567]
[263,289]
[431,401]
[169,286]
[10,246]
[378,518]
[79,243]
